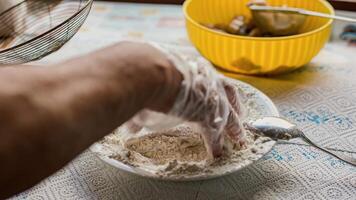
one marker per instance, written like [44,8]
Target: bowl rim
[327,24]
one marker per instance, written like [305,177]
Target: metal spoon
[280,129]
[299,11]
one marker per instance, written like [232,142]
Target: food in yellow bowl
[262,23]
[255,55]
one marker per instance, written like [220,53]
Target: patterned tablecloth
[320,98]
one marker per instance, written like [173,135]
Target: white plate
[264,106]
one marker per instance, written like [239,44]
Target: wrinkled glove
[206,98]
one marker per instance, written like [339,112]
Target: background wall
[338,4]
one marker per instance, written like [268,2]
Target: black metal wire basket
[32,29]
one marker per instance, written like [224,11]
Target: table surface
[320,98]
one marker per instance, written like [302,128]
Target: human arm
[51,114]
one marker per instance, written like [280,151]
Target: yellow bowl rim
[326,3]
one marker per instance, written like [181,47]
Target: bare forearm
[49,115]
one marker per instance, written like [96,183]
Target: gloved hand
[206,98]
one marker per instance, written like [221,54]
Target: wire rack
[32,29]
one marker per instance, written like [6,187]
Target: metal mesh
[37,28]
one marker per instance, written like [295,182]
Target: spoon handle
[345,156]
[318,14]
[300,11]
[309,145]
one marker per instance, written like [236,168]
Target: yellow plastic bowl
[252,55]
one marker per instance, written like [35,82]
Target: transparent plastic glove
[204,98]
